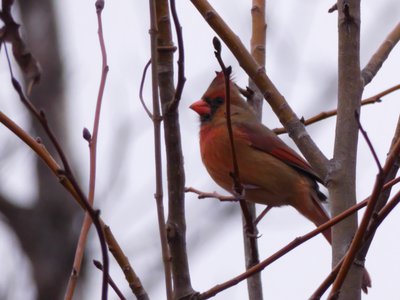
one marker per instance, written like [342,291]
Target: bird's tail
[313,210]
[319,216]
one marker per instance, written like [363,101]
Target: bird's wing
[263,139]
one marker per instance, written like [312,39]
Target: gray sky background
[301,61]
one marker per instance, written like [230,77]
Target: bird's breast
[216,154]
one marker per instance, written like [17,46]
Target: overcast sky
[301,61]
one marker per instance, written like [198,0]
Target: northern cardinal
[270,172]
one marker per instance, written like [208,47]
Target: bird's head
[212,103]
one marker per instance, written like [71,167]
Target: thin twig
[141,90]
[134,282]
[202,195]
[332,8]
[383,213]
[238,187]
[92,140]
[181,59]
[262,215]
[383,198]
[327,282]
[227,73]
[327,114]
[369,143]
[96,123]
[99,266]
[39,115]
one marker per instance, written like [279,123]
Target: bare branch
[262,214]
[92,140]
[369,143]
[238,188]
[181,59]
[176,223]
[99,266]
[342,192]
[380,56]
[134,281]
[332,8]
[158,195]
[327,114]
[257,47]
[237,185]
[40,116]
[383,198]
[141,90]
[202,195]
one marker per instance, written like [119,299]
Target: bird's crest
[217,86]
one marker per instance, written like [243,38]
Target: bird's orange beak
[201,107]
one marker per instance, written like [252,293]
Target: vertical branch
[181,57]
[237,185]
[157,150]
[367,217]
[169,97]
[249,232]
[257,46]
[341,181]
[92,140]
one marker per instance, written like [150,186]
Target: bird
[270,172]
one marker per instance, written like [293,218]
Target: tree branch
[181,59]
[257,46]
[92,140]
[158,195]
[380,56]
[176,222]
[341,180]
[327,114]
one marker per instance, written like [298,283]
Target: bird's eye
[219,100]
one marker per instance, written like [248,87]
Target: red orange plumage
[270,172]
